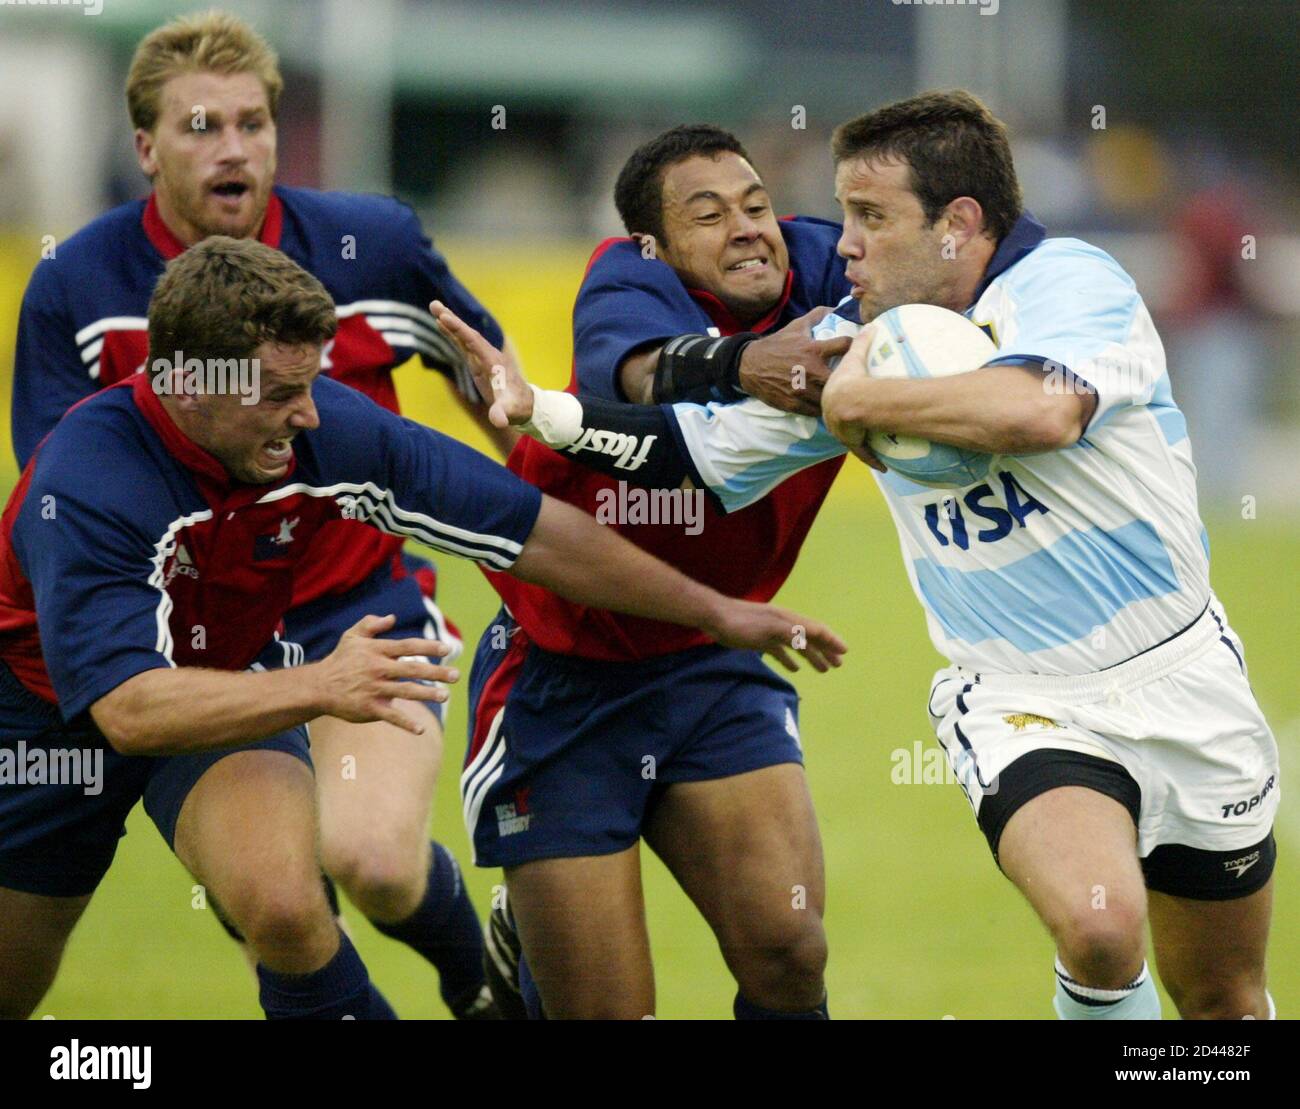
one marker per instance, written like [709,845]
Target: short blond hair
[210,42]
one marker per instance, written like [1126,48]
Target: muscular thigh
[582,925]
[34,930]
[746,849]
[1072,852]
[376,781]
[1211,953]
[251,816]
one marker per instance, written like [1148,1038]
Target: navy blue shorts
[406,590]
[59,840]
[567,755]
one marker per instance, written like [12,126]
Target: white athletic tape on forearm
[556,419]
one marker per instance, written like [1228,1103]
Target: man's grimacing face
[895,256]
[215,179]
[254,442]
[722,236]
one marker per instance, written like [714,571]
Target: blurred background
[1164,132]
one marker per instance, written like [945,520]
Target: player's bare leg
[375,783]
[1211,953]
[582,925]
[247,832]
[747,851]
[1073,853]
[34,931]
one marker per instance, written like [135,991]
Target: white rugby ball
[918,341]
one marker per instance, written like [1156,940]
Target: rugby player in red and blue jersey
[592,730]
[203,95]
[147,558]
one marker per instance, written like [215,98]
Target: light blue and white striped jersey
[1059,563]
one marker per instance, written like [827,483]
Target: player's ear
[144,152]
[965,219]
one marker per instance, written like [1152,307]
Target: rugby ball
[917,341]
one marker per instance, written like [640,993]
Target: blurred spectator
[1215,338]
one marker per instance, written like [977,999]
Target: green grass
[920,922]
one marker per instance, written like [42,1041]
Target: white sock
[1136,1001]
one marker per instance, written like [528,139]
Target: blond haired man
[203,95]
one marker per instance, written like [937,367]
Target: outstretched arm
[717,447]
[572,555]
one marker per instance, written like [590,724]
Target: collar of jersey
[1025,235]
[169,246]
[726,323]
[215,483]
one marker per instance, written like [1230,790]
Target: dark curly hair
[954,146]
[639,191]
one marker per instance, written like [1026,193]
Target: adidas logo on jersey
[182,564]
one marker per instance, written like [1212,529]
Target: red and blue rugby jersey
[125,547]
[627,302]
[83,324]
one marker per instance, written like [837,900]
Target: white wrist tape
[556,419]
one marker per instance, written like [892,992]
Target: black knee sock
[747,1010]
[445,929]
[339,990]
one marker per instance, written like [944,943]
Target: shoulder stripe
[378,507]
[385,307]
[111,323]
[379,321]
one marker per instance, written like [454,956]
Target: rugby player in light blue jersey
[1096,710]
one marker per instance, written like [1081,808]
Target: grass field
[921,924]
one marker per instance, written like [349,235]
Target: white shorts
[1174,734]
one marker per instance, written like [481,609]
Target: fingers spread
[390,713]
[782,655]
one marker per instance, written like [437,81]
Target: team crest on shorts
[512,818]
[1021,720]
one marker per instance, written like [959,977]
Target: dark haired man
[591,731]
[147,558]
[1097,711]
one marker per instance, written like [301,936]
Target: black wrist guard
[700,368]
[633,442]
